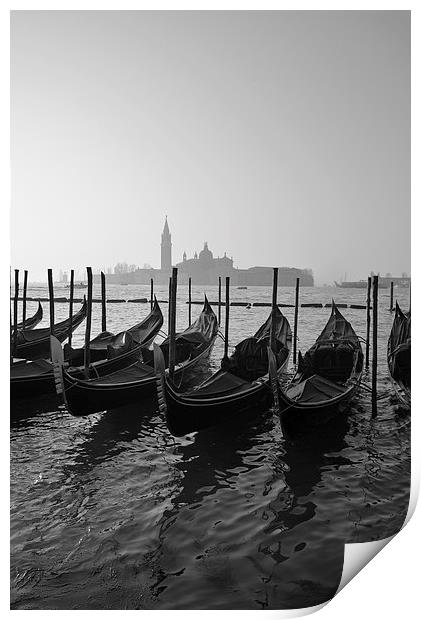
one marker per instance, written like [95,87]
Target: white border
[389,584]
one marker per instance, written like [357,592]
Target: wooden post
[72,289]
[391,296]
[169,304]
[227,315]
[367,338]
[274,306]
[87,350]
[173,317]
[15,312]
[103,304]
[219,299]
[374,361]
[25,286]
[189,302]
[151,294]
[297,303]
[51,299]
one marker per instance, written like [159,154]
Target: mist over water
[112,512]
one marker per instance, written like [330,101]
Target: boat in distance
[109,353]
[241,384]
[327,377]
[399,356]
[137,381]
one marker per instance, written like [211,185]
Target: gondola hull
[35,344]
[402,392]
[227,395]
[37,377]
[33,379]
[399,357]
[328,380]
[86,397]
[184,415]
[296,419]
[136,382]
[32,321]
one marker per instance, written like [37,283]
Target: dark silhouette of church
[205,269]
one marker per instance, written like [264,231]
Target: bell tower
[166,245]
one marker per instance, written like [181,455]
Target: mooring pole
[227,315]
[25,286]
[87,350]
[367,338]
[274,306]
[72,289]
[173,318]
[15,312]
[297,297]
[374,361]
[189,302]
[151,294]
[391,296]
[219,299]
[169,305]
[51,300]
[103,304]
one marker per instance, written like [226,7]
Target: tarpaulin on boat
[333,355]
[199,333]
[315,389]
[250,359]
[399,348]
[220,384]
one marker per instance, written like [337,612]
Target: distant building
[166,248]
[205,269]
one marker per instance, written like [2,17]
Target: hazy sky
[282,138]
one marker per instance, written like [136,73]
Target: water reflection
[275,482]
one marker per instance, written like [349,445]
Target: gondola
[241,384]
[34,344]
[109,353]
[137,381]
[108,345]
[327,377]
[399,356]
[31,321]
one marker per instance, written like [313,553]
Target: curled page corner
[358,555]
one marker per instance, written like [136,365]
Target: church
[203,269]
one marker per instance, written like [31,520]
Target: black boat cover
[333,354]
[315,389]
[399,348]
[27,369]
[196,335]
[220,384]
[250,358]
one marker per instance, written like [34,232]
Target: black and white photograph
[210,304]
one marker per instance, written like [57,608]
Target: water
[112,512]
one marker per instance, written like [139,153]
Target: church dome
[206,254]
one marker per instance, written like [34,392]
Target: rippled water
[112,512]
